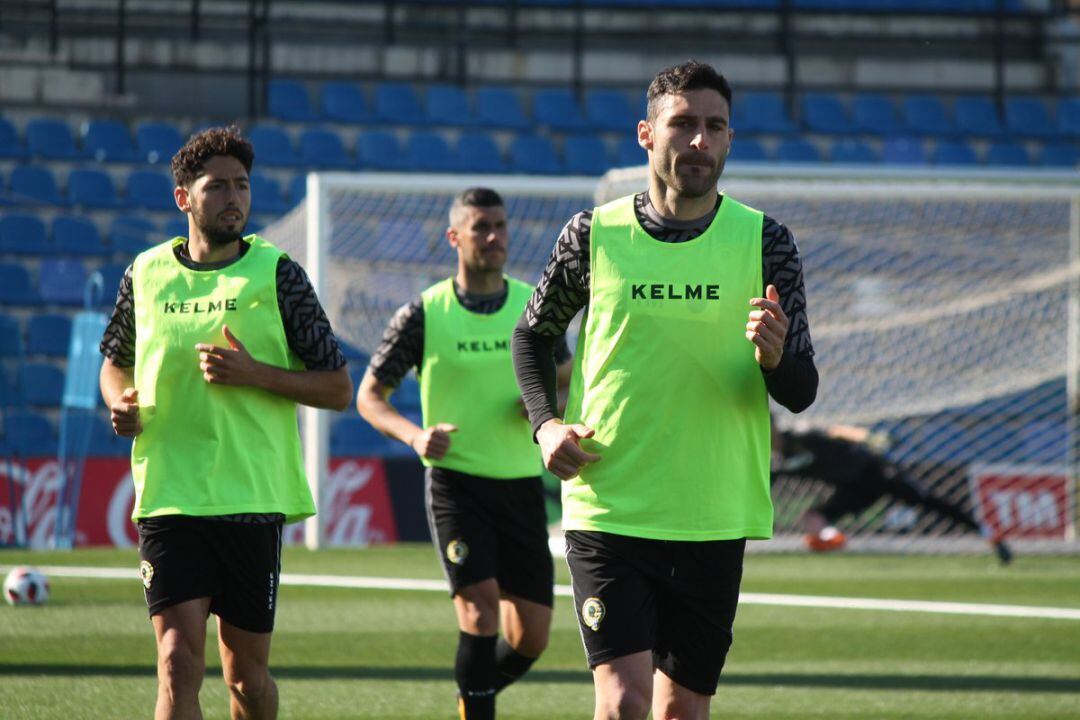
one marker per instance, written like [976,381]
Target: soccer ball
[26,586]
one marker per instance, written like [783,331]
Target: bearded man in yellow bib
[695,317]
[214,340]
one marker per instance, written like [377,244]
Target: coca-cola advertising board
[356,509]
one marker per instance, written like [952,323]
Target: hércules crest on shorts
[146,571]
[457,551]
[592,612]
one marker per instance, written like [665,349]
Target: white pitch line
[811,601]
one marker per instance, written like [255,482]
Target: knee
[248,684]
[533,642]
[627,703]
[179,666]
[480,618]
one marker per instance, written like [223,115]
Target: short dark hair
[475,197]
[188,164]
[679,79]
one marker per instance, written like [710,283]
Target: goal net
[943,307]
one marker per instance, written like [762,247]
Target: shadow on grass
[929,683]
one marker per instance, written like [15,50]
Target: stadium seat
[297,189]
[92,189]
[874,114]
[379,150]
[266,195]
[629,154]
[288,100]
[742,150]
[11,147]
[157,141]
[1007,153]
[586,155]
[48,335]
[1068,116]
[926,115]
[477,152]
[1059,155]
[977,117]
[29,434]
[853,152]
[150,190]
[761,112]
[355,356]
[51,139]
[323,149]
[797,150]
[273,146]
[111,276]
[447,105]
[499,108]
[354,437]
[40,384]
[397,104]
[558,110]
[108,141]
[32,184]
[534,155]
[16,287]
[609,110]
[76,236]
[903,151]
[63,281]
[429,152]
[344,102]
[131,234]
[176,227]
[23,234]
[823,113]
[953,152]
[1028,118]
[407,395]
[11,343]
[103,442]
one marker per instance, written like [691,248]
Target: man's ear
[452,237]
[645,134]
[182,198]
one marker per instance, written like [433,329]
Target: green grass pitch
[347,653]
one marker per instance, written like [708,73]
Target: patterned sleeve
[118,342]
[782,267]
[402,345]
[307,329]
[564,287]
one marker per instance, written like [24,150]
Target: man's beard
[217,236]
[691,186]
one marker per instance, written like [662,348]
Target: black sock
[509,664]
[475,675]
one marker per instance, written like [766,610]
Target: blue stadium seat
[297,189]
[40,383]
[273,146]
[76,236]
[266,195]
[448,105]
[288,100]
[29,434]
[108,141]
[62,281]
[610,110]
[823,113]
[903,151]
[92,189]
[176,227]
[558,109]
[104,442]
[357,358]
[977,117]
[158,141]
[586,155]
[354,437]
[534,155]
[111,276]
[1007,153]
[1028,118]
[477,152]
[761,112]
[742,150]
[797,150]
[11,146]
[397,104]
[379,150]
[131,234]
[51,139]
[150,190]
[323,149]
[407,395]
[1059,155]
[853,152]
[1068,116]
[24,234]
[953,152]
[16,287]
[48,335]
[11,344]
[500,108]
[428,151]
[629,154]
[32,184]
[927,115]
[874,114]
[344,102]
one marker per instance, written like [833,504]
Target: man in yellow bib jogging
[695,316]
[483,492]
[214,340]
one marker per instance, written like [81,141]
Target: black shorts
[676,598]
[485,528]
[235,564]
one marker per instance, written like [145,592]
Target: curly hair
[679,79]
[189,161]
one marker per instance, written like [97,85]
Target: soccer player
[695,316]
[483,492]
[214,340]
[844,458]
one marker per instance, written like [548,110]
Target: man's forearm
[113,380]
[794,382]
[534,365]
[327,389]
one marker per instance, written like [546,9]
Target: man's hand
[228,366]
[433,442]
[124,413]
[560,446]
[767,328]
